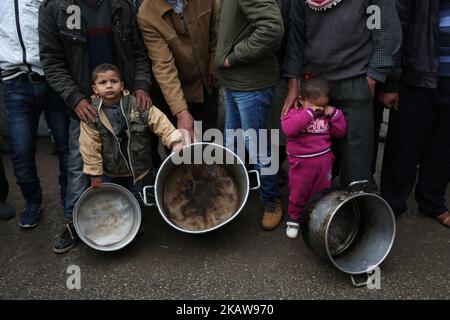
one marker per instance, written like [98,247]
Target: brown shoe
[444,219]
[273,211]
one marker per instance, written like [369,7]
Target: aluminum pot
[108,218]
[195,155]
[353,229]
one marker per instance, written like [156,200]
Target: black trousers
[378,110]
[418,135]
[4,186]
[354,153]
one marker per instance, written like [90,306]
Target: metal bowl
[108,218]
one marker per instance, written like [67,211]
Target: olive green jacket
[249,35]
[100,148]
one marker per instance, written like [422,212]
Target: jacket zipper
[129,140]
[117,140]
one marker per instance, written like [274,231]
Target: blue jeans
[250,110]
[24,103]
[78,182]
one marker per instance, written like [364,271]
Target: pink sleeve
[338,124]
[295,121]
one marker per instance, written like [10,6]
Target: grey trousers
[354,153]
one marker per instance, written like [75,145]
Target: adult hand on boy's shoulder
[143,99]
[85,111]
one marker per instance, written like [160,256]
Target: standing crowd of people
[316,68]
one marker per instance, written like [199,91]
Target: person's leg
[6,210]
[23,111]
[378,110]
[434,173]
[77,183]
[206,112]
[301,179]
[232,121]
[408,131]
[323,165]
[254,109]
[4,186]
[353,96]
[58,122]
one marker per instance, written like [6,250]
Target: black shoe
[30,216]
[67,240]
[7,211]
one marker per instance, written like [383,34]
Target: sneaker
[7,211]
[292,229]
[30,216]
[273,212]
[67,240]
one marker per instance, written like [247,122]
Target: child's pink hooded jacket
[308,136]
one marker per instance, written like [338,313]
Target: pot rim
[348,198]
[135,227]
[239,162]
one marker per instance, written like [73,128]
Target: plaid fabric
[386,40]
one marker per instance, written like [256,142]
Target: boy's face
[109,87]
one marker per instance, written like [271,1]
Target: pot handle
[257,179]
[358,186]
[144,196]
[360,284]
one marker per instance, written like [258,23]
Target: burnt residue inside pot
[200,197]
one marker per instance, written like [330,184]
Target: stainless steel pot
[353,229]
[108,218]
[229,159]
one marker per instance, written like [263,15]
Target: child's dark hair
[104,67]
[314,87]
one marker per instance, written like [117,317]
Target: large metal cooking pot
[108,218]
[195,155]
[353,229]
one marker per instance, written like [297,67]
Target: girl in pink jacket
[309,130]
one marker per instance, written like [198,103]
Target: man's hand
[186,121]
[143,99]
[212,77]
[372,85]
[291,97]
[85,111]
[389,99]
[96,182]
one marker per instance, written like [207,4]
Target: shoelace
[70,231]
[271,206]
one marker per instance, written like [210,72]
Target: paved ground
[239,261]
